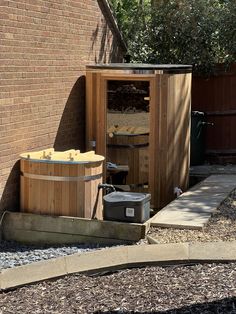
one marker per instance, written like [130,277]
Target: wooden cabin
[138,117]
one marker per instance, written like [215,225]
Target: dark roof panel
[138,66]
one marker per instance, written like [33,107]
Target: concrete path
[193,208]
[207,170]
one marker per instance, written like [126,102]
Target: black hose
[109,188]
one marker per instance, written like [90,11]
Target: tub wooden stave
[131,150]
[57,188]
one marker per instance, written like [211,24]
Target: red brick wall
[44,46]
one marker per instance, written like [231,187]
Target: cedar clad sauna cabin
[138,117]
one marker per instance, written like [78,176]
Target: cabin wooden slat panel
[154,141]
[101,114]
[172,144]
[178,133]
[186,129]
[182,85]
[163,141]
[143,164]
[175,127]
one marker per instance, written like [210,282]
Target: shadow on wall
[70,134]
[106,53]
[10,199]
[71,130]
[109,48]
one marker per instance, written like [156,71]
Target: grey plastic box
[127,206]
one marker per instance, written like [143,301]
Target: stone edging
[118,258]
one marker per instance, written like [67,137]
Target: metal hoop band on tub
[61,179]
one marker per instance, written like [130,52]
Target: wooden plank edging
[118,258]
[33,228]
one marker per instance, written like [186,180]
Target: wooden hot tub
[61,183]
[129,146]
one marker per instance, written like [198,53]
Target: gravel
[14,254]
[209,288]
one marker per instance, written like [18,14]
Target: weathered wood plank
[45,237]
[72,226]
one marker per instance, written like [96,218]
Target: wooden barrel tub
[129,147]
[61,183]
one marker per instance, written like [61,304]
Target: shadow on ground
[224,306]
[10,199]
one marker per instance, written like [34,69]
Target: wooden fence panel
[216,96]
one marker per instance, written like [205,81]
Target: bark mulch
[209,288]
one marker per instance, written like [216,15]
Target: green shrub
[197,32]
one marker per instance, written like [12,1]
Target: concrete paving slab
[187,213]
[191,204]
[199,201]
[186,221]
[227,178]
[212,187]
[193,209]
[204,193]
[207,170]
